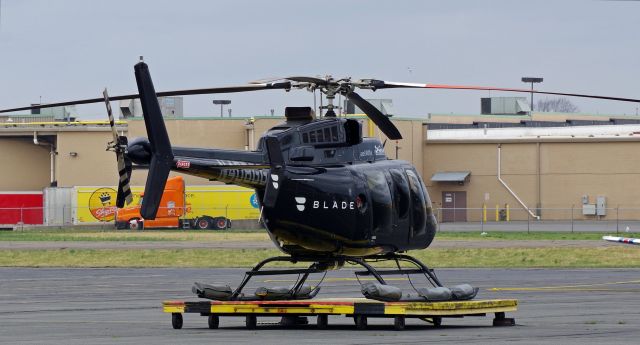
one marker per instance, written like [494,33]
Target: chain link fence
[614,220]
[167,217]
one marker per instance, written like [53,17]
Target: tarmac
[117,306]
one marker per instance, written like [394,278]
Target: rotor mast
[330,89]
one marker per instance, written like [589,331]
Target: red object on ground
[25,207]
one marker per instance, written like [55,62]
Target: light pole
[531,80]
[222,103]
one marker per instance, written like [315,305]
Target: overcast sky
[67,49]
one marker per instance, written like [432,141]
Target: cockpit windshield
[400,192]
[380,201]
[418,204]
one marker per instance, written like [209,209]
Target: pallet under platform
[358,308]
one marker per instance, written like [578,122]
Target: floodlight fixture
[532,80]
[222,103]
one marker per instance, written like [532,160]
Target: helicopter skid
[320,264]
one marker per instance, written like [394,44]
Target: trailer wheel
[361,322]
[323,321]
[437,321]
[176,320]
[399,323]
[251,322]
[220,223]
[203,223]
[134,224]
[214,321]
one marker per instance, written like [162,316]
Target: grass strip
[255,235]
[619,257]
[520,235]
[122,235]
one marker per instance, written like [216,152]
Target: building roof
[620,132]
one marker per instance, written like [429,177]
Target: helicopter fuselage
[356,210]
[337,194]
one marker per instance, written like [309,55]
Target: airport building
[552,166]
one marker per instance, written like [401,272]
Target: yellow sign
[102,204]
[97,204]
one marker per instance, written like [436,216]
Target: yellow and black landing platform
[358,308]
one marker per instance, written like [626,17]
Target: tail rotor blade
[118,145]
[161,152]
[381,120]
[124,189]
[112,121]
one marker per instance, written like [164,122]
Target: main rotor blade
[300,79]
[381,84]
[381,120]
[303,79]
[205,91]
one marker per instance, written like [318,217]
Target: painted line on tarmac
[579,287]
[573,290]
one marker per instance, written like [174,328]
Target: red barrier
[25,207]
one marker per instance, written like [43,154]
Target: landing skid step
[293,312]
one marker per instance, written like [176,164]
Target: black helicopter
[328,195]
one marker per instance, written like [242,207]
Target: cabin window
[320,136]
[323,135]
[418,206]
[380,201]
[334,133]
[400,192]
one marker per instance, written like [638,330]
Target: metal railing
[63,215]
[572,219]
